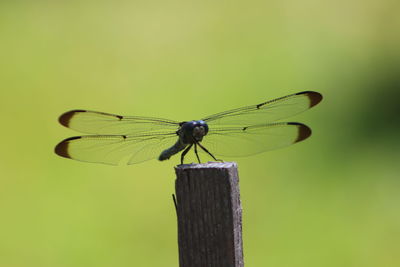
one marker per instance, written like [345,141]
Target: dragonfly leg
[185,152]
[195,151]
[208,152]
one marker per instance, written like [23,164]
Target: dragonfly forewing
[100,123]
[266,112]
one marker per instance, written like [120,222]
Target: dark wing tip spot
[304,131]
[314,97]
[66,117]
[62,148]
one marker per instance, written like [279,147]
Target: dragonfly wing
[114,149]
[100,123]
[246,141]
[269,111]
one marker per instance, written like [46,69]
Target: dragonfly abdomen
[177,147]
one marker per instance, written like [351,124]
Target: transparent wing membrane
[246,141]
[114,149]
[266,112]
[93,122]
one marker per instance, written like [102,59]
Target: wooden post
[209,215]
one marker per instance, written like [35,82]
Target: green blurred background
[332,200]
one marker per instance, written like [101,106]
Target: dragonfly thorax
[192,131]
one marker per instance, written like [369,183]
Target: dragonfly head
[193,130]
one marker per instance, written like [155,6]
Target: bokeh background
[332,200]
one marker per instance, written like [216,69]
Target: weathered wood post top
[209,215]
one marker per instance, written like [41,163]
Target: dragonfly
[114,139]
